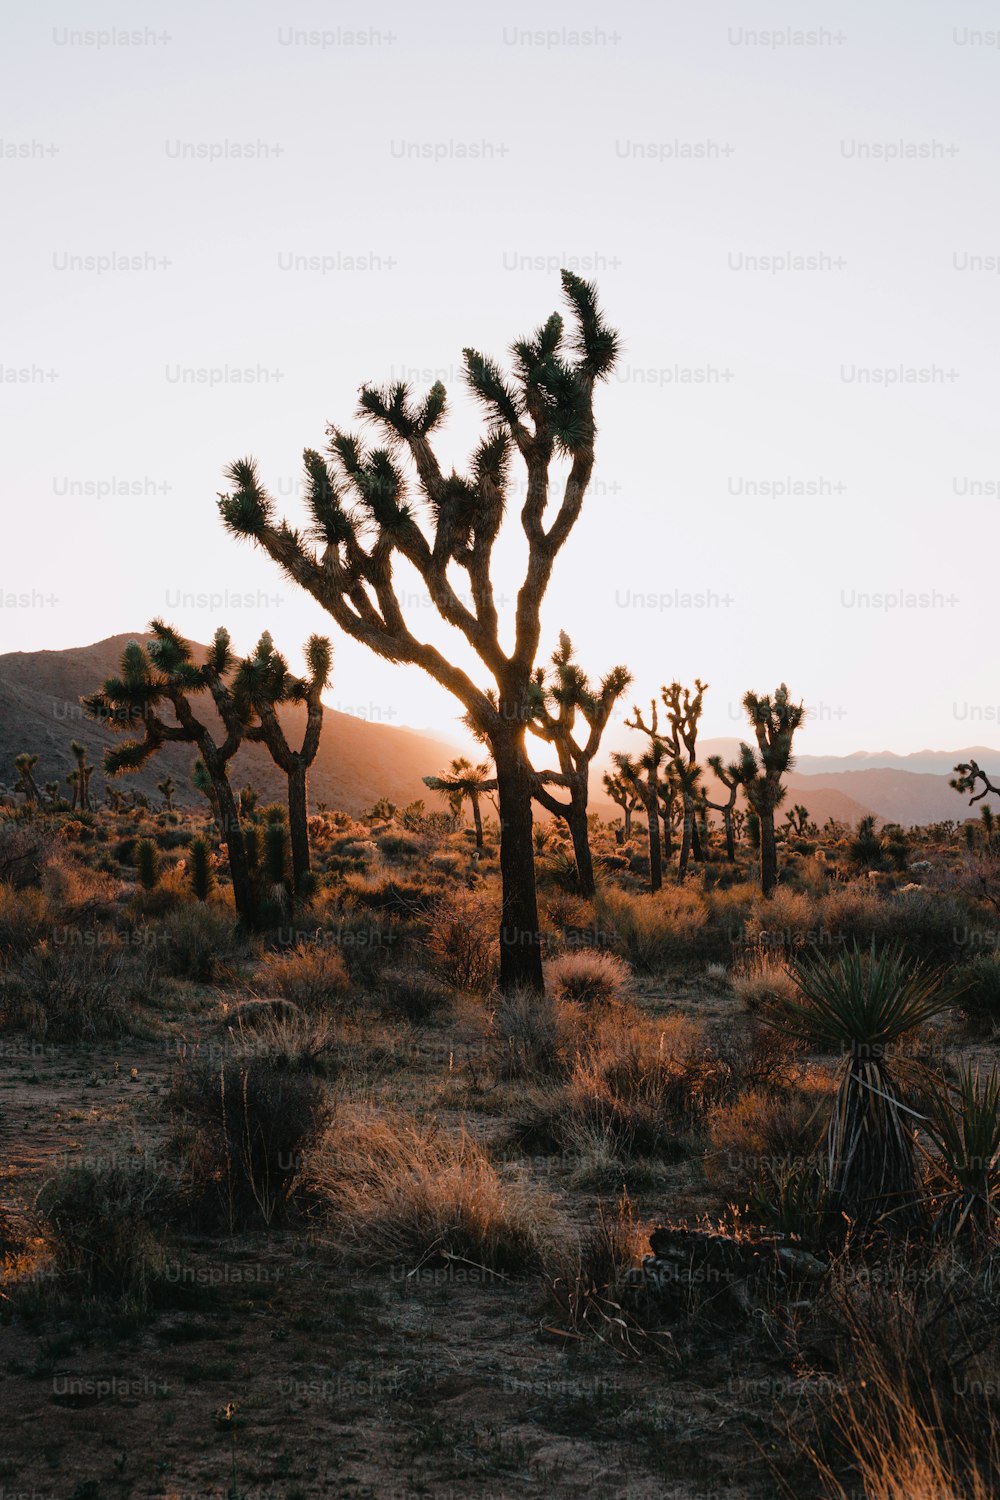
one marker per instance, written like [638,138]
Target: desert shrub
[365,938]
[25,918]
[194,937]
[761,979]
[313,975]
[412,993]
[399,846]
[646,1083]
[200,869]
[912,1408]
[530,1035]
[587,977]
[651,931]
[24,848]
[78,991]
[591,1288]
[980,1001]
[782,924]
[760,1130]
[400,1193]
[293,1041]
[242,1127]
[103,1228]
[463,939]
[407,899]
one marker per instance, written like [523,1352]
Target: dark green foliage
[200,871]
[980,1002]
[277,871]
[147,863]
[242,1130]
[866,846]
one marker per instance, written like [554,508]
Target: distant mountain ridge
[360,760]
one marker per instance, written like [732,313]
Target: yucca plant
[200,868]
[863,1004]
[964,1125]
[147,863]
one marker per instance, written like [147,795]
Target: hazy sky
[462,154]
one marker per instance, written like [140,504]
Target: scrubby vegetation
[592,1147]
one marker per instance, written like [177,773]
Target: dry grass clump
[760,980]
[761,1130]
[311,975]
[592,1290]
[24,849]
[78,991]
[412,993]
[102,1225]
[912,1411]
[651,931]
[644,1081]
[242,1127]
[784,923]
[532,1036]
[463,941]
[399,1193]
[194,938]
[588,978]
[25,918]
[293,1041]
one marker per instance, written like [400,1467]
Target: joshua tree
[24,765]
[967,777]
[166,789]
[683,712]
[464,780]
[262,683]
[164,672]
[644,773]
[556,704]
[621,790]
[731,777]
[81,789]
[52,792]
[774,721]
[544,410]
[797,819]
[671,810]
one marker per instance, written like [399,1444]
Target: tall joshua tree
[164,673]
[81,787]
[644,773]
[464,781]
[683,710]
[24,765]
[774,722]
[731,777]
[543,410]
[621,790]
[263,682]
[556,704]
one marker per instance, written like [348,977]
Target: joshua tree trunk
[768,851]
[653,819]
[232,835]
[627,811]
[298,821]
[520,940]
[686,838]
[727,819]
[477,818]
[580,834]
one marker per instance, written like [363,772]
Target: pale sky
[668,156]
